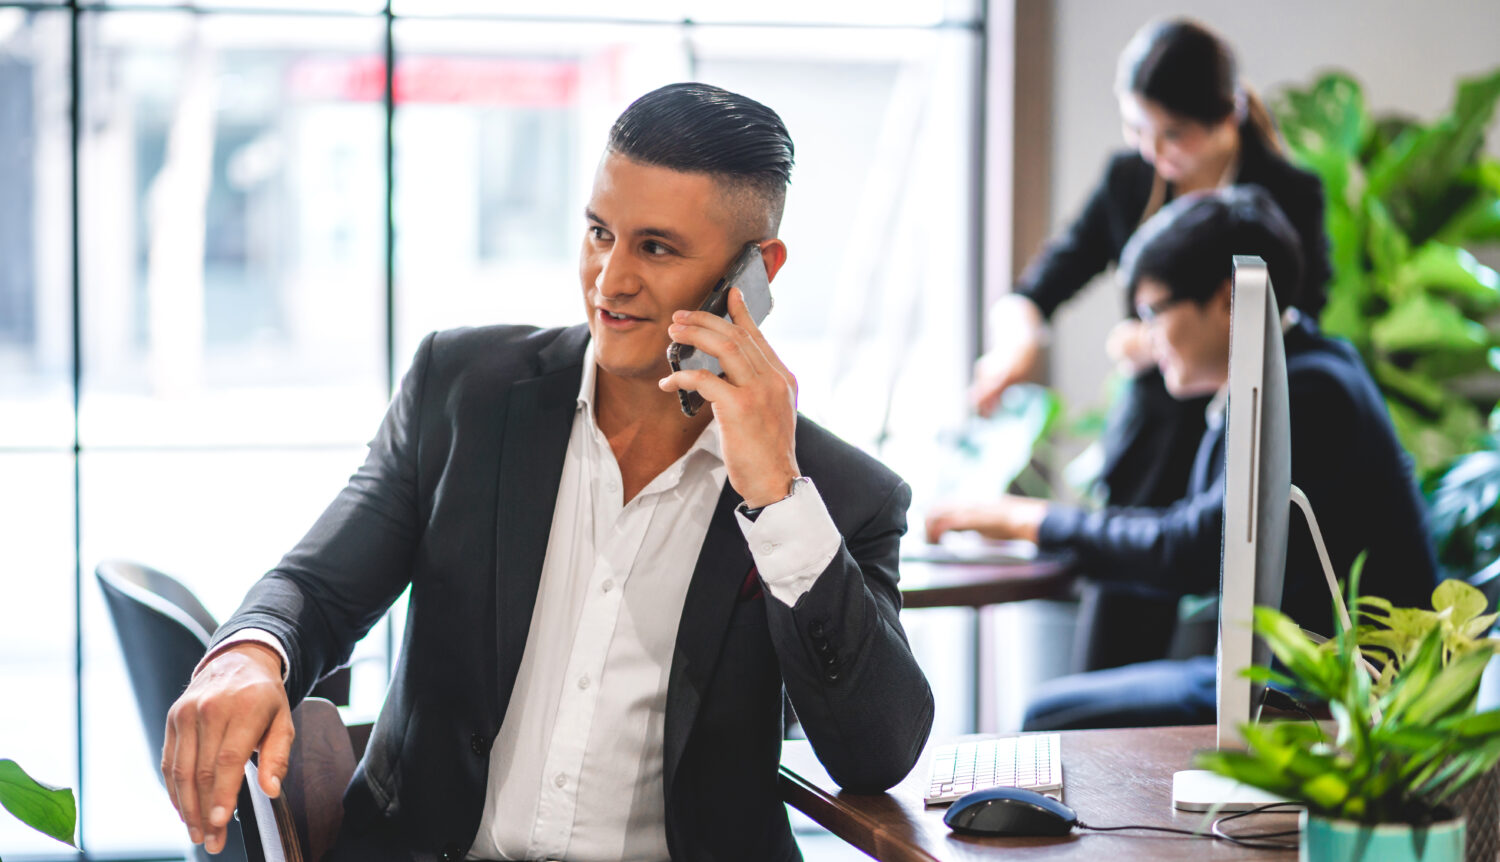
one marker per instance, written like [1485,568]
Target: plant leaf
[1465,601]
[1450,270]
[49,810]
[1424,322]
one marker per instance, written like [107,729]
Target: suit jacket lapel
[538,422]
[722,566]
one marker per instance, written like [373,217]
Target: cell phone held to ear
[748,273]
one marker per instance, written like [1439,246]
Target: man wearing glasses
[1345,457]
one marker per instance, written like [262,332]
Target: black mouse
[1010,811]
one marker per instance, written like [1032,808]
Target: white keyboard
[1033,761]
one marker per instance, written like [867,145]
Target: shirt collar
[707,442]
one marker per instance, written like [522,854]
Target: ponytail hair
[1258,122]
[1191,71]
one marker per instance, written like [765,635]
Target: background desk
[1110,777]
[974,585]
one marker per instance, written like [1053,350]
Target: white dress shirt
[576,770]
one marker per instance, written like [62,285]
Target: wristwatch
[797,482]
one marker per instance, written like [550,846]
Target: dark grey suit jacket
[456,499]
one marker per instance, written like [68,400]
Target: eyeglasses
[1148,312]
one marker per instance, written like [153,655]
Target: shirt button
[611,485]
[583,681]
[767,548]
[561,781]
[607,586]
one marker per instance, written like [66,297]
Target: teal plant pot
[1325,840]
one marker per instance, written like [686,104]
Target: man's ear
[1223,298]
[773,252]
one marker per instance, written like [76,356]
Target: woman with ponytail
[1191,125]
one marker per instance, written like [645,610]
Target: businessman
[608,597]
[1345,457]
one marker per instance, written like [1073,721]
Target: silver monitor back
[1257,482]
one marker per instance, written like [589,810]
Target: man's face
[656,241]
[1190,341]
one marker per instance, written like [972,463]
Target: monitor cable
[1253,841]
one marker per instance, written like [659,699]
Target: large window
[262,233]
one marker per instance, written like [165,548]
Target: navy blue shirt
[1345,457]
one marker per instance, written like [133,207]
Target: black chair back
[163,631]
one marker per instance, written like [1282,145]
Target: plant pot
[1325,840]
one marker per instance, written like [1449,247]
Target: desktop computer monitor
[1257,488]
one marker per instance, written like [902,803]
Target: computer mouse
[1010,811]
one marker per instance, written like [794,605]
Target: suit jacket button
[453,853]
[816,629]
[477,745]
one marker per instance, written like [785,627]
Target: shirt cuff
[247,636]
[792,541]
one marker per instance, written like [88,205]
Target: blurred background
[224,227]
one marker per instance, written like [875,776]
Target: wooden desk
[972,585]
[1110,777]
[946,585]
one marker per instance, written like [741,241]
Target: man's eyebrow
[667,234]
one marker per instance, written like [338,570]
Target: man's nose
[616,276]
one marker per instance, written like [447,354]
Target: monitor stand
[1201,790]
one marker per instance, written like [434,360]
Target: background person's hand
[1129,347]
[1018,333]
[234,706]
[755,402]
[1009,517]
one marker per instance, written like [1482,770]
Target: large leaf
[1424,322]
[47,809]
[1415,176]
[1449,270]
[1414,386]
[1478,221]
[1330,116]
[1386,243]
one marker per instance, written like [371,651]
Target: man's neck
[645,427]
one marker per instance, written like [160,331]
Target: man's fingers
[183,771]
[738,353]
[710,386]
[275,752]
[233,752]
[740,312]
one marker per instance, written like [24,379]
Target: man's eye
[654,248]
[598,233]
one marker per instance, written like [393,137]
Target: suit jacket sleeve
[851,677]
[1093,241]
[1175,548]
[330,589]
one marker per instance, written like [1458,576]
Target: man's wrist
[789,486]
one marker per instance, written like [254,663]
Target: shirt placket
[614,536]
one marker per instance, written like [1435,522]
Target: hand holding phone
[748,273]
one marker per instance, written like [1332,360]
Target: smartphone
[748,273]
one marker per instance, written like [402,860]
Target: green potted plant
[1405,201]
[49,810]
[1381,788]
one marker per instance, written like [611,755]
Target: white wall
[1407,55]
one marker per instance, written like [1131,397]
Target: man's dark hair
[1189,245]
[700,128]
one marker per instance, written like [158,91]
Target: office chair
[163,631]
[301,824]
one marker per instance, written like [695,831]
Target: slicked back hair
[700,128]
[1189,245]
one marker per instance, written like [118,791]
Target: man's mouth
[616,318]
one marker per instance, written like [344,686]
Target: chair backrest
[163,631]
[302,823]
